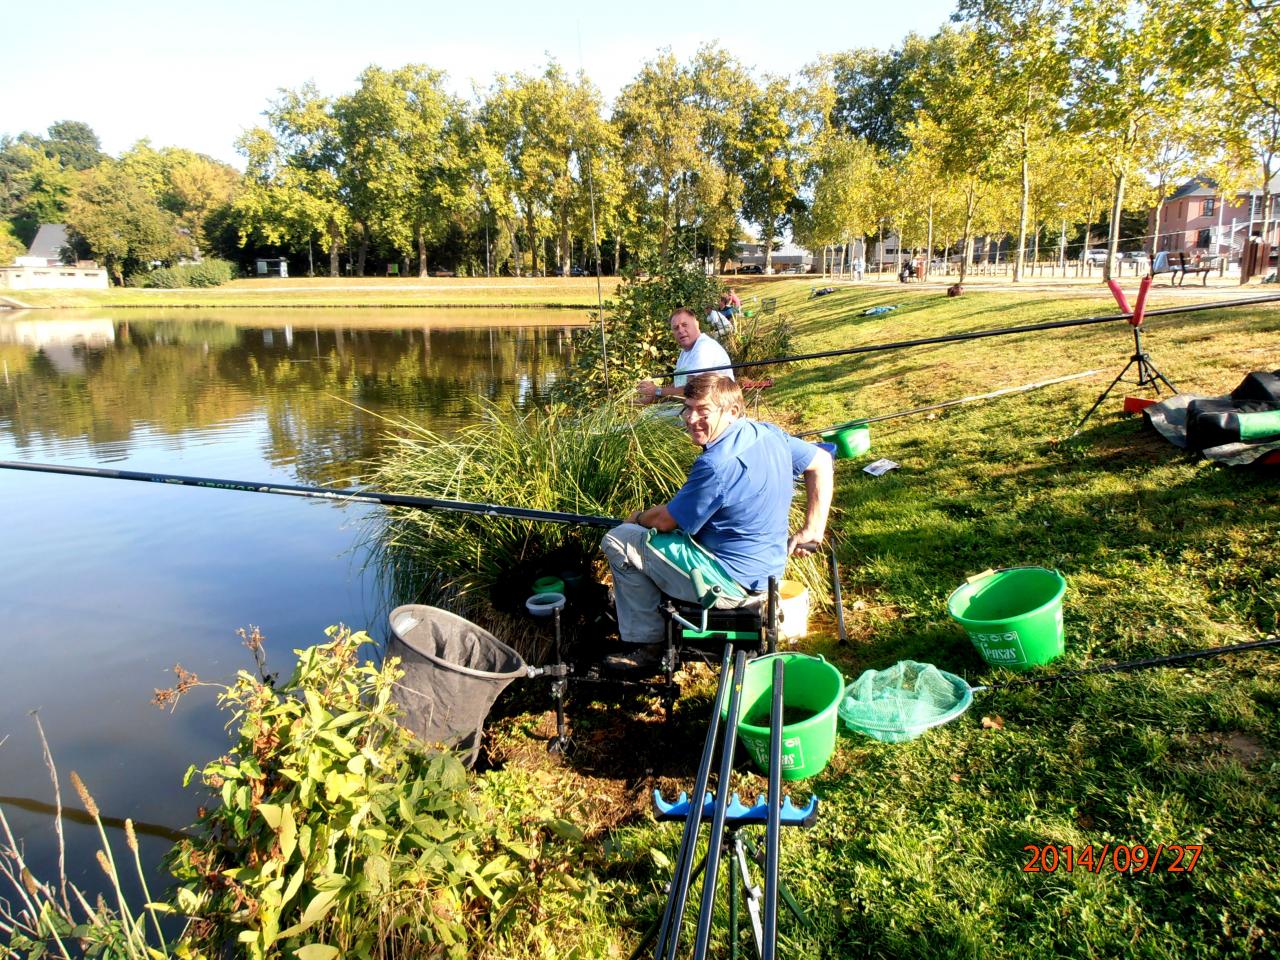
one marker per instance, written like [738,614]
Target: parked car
[1096,257]
[751,268]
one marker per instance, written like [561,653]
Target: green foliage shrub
[206,273]
[333,836]
[210,272]
[329,834]
[637,330]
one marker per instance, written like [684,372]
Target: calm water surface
[105,585]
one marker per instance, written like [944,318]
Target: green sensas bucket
[811,692]
[852,441]
[1013,616]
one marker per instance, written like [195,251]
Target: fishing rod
[1132,665]
[677,898]
[861,421]
[977,335]
[322,493]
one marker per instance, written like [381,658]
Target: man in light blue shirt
[730,519]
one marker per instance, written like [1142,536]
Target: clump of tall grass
[760,337]
[602,462]
[605,462]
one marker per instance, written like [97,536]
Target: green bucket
[1013,616]
[811,692]
[851,441]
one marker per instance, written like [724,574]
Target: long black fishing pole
[861,421]
[1132,665]
[678,896]
[773,827]
[715,839]
[977,335]
[322,493]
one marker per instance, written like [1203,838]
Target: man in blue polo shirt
[730,519]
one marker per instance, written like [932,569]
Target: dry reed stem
[57,817]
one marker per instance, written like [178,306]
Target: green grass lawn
[343,292]
[920,848]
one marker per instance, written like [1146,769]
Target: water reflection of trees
[321,391]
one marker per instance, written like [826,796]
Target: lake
[107,584]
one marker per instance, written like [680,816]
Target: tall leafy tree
[1020,40]
[1122,87]
[294,191]
[405,143]
[658,124]
[74,145]
[1233,46]
[967,129]
[771,160]
[120,222]
[878,93]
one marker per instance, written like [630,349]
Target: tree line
[1037,120]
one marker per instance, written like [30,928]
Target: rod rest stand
[737,813]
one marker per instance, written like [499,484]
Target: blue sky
[197,75]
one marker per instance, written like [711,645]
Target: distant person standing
[859,265]
[698,351]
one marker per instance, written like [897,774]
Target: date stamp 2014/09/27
[1122,858]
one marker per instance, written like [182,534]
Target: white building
[44,268]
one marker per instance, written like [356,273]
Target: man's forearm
[818,486]
[658,518]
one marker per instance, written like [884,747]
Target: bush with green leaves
[332,835]
[206,273]
[637,331]
[328,833]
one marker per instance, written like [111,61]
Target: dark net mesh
[453,672]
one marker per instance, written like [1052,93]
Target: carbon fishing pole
[677,898]
[1132,665]
[715,839]
[861,421]
[322,493]
[976,335]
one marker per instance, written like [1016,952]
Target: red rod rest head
[1119,295]
[1141,306]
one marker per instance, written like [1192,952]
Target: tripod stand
[1149,374]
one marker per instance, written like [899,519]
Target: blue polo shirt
[736,501]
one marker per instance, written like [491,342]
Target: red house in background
[1194,218]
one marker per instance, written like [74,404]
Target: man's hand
[804,542]
[634,516]
[646,392]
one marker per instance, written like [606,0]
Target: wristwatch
[658,393]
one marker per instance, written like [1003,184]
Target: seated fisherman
[698,351]
[730,519]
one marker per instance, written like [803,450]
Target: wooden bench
[1179,265]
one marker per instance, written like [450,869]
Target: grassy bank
[342,292]
[920,848]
